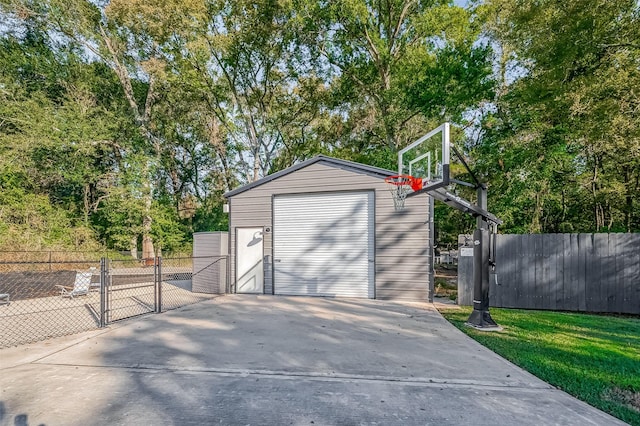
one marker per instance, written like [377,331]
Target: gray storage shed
[327,227]
[210,262]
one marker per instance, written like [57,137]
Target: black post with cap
[480,317]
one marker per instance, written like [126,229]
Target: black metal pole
[483,226]
[477,270]
[485,270]
[480,317]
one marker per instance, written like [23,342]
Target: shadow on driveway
[282,360]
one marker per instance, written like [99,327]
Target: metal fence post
[158,284]
[155,284]
[227,288]
[107,291]
[103,293]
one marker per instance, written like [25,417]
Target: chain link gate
[179,282]
[131,288]
[44,299]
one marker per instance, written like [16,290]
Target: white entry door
[324,244]
[249,267]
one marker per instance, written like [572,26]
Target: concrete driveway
[264,360]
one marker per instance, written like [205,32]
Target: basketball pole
[480,317]
[483,254]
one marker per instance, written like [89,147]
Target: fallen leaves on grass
[625,397]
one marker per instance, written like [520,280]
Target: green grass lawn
[592,357]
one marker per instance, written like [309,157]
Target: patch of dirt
[445,291]
[447,272]
[30,285]
[625,397]
[444,270]
[446,281]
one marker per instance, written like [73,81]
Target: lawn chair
[80,287]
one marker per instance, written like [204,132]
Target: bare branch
[394,47]
[614,45]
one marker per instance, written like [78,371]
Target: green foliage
[29,221]
[125,122]
[593,358]
[450,223]
[169,233]
[457,79]
[118,221]
[560,149]
[396,69]
[210,216]
[46,136]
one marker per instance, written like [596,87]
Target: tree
[136,66]
[561,137]
[51,132]
[389,64]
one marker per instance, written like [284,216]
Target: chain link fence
[42,298]
[177,280]
[39,300]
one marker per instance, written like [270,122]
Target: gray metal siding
[210,244]
[402,247]
[209,262]
[402,238]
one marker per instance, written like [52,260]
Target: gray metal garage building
[327,227]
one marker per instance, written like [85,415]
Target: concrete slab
[280,360]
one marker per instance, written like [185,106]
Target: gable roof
[343,164]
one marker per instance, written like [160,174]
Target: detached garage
[327,227]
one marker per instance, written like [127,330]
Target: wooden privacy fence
[565,272]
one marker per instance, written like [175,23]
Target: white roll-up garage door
[323,244]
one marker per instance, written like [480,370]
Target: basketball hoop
[399,186]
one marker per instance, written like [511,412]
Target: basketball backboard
[428,158]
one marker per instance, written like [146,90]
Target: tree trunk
[390,134]
[256,166]
[594,195]
[628,200]
[133,247]
[142,119]
[87,203]
[537,215]
[147,242]
[148,252]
